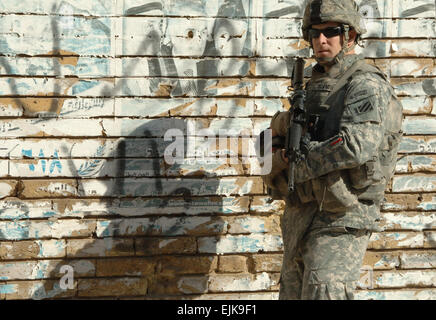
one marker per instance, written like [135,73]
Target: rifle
[297,121]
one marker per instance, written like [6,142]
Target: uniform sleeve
[360,134]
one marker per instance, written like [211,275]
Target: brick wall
[91,208]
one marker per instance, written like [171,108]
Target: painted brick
[253,224]
[44,269]
[176,187]
[212,67]
[50,127]
[99,247]
[419,126]
[52,6]
[418,260]
[418,144]
[53,66]
[381,260]
[16,209]
[37,290]
[429,239]
[415,294]
[171,265]
[375,9]
[377,48]
[424,202]
[414,9]
[148,206]
[161,227]
[112,287]
[266,262]
[243,282]
[31,148]
[240,296]
[193,284]
[262,204]
[414,87]
[100,168]
[125,267]
[416,221]
[232,264]
[414,48]
[416,105]
[398,279]
[412,67]
[240,244]
[414,28]
[408,183]
[7,188]
[156,246]
[46,229]
[171,285]
[396,240]
[32,249]
[140,107]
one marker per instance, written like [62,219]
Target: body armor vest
[325,106]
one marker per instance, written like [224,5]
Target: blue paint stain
[106,231]
[427,206]
[49,213]
[26,153]
[59,245]
[40,274]
[15,231]
[55,163]
[43,162]
[249,245]
[21,88]
[83,86]
[7,288]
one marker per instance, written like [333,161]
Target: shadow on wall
[155,239]
[155,236]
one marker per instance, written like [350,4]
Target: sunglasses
[327,32]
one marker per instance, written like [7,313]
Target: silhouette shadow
[156,238]
[147,243]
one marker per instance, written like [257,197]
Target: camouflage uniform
[355,126]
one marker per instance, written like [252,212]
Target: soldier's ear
[352,34]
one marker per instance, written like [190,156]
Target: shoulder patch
[362,108]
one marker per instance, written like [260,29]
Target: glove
[276,178]
[280,123]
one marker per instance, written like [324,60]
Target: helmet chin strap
[325,61]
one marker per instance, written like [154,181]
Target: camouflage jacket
[355,133]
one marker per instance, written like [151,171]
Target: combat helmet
[345,12]
[342,11]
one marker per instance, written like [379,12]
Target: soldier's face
[323,46]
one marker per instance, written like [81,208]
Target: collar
[337,69]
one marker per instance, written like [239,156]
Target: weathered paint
[409,221]
[89,90]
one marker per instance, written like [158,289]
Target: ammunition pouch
[370,179]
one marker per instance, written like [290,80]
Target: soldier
[354,127]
